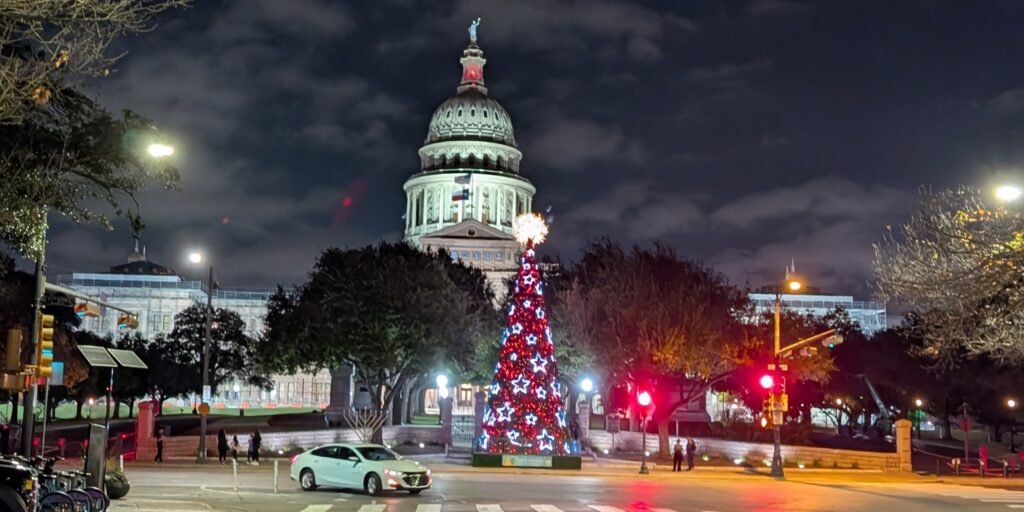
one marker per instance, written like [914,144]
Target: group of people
[677,454]
[234,446]
[223,447]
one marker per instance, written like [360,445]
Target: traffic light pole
[776,432]
[201,457]
[643,447]
[29,415]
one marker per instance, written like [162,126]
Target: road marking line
[668,510]
[605,508]
[1015,506]
[317,508]
[428,508]
[545,508]
[379,507]
[488,508]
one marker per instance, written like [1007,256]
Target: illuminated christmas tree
[524,414]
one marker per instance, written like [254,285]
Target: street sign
[204,409]
[206,393]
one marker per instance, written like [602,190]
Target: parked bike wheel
[57,501]
[100,501]
[82,499]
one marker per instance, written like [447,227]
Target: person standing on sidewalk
[159,446]
[257,442]
[677,456]
[222,446]
[691,450]
[235,445]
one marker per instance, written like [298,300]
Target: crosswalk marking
[317,508]
[428,508]
[488,508]
[604,508]
[545,508]
[379,507]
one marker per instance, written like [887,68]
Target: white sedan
[370,467]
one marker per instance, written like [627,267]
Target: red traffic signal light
[644,398]
[767,381]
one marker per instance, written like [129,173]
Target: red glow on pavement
[346,202]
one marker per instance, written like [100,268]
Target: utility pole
[777,414]
[29,415]
[201,458]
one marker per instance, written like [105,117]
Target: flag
[464,180]
[460,195]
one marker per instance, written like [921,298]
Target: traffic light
[766,414]
[767,381]
[644,402]
[87,309]
[13,361]
[127,322]
[830,342]
[44,349]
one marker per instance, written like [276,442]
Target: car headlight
[428,472]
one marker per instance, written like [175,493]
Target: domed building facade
[469,190]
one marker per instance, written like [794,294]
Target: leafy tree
[231,355]
[957,266]
[392,311]
[44,43]
[648,316]
[64,157]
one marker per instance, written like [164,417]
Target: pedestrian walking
[691,450]
[248,451]
[235,446]
[257,442]
[222,446]
[159,446]
[677,456]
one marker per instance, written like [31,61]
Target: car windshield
[377,453]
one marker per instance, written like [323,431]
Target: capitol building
[468,190]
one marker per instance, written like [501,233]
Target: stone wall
[187,446]
[757,452]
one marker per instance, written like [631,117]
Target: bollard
[981,469]
[275,475]
[956,467]
[1006,469]
[120,462]
[234,472]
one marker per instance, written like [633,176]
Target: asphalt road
[174,489]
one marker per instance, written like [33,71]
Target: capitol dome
[470,130]
[471,115]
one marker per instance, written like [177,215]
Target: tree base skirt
[490,460]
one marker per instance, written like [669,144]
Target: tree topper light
[530,228]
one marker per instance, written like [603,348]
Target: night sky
[743,133]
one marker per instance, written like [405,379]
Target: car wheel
[372,485]
[415,491]
[307,480]
[11,501]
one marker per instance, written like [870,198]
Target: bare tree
[45,43]
[957,264]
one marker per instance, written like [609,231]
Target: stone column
[446,420]
[341,388]
[904,444]
[144,428]
[583,423]
[479,404]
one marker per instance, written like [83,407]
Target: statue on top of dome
[472,30]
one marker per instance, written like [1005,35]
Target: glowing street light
[157,150]
[918,402]
[1008,193]
[195,258]
[794,285]
[1011,403]
[442,381]
[587,385]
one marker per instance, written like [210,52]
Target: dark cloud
[742,132]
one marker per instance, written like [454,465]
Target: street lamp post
[201,457]
[919,415]
[1012,404]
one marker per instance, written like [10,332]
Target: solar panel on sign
[97,357]
[127,358]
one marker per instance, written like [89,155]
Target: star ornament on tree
[539,363]
[545,441]
[505,412]
[531,419]
[530,229]
[520,385]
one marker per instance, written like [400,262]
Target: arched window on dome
[500,163]
[485,163]
[472,161]
[459,113]
[485,113]
[448,115]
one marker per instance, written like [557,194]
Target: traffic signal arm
[813,339]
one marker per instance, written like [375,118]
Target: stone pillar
[145,424]
[479,404]
[446,420]
[904,444]
[341,388]
[583,423]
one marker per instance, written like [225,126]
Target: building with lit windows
[157,293]
[871,316]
